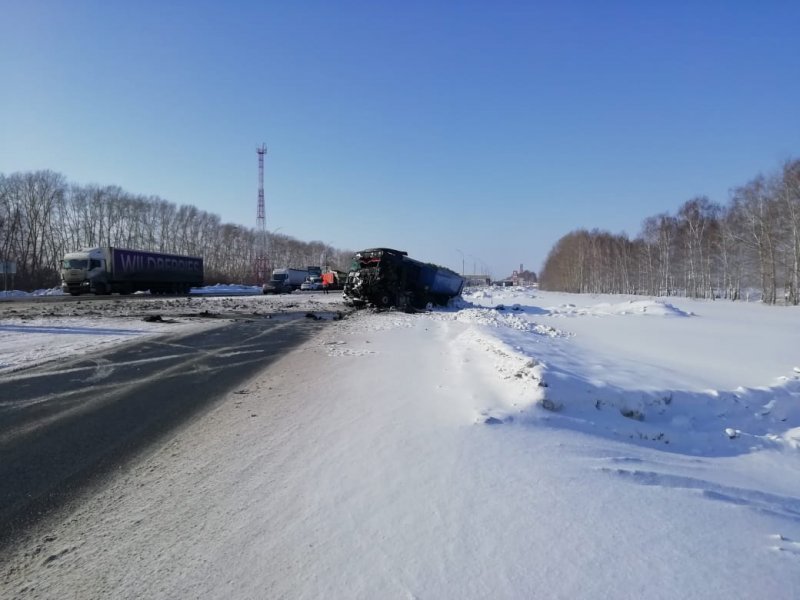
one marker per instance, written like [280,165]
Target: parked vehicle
[311,283]
[106,270]
[285,281]
[384,277]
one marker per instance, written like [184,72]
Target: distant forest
[43,216]
[705,250]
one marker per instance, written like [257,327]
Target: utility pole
[462,261]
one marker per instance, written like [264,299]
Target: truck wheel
[409,303]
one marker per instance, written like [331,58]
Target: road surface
[66,425]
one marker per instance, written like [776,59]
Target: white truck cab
[84,271]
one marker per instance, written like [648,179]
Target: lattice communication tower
[261,265]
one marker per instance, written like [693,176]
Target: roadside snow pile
[513,318]
[13,294]
[631,307]
[631,379]
[700,423]
[35,293]
[47,292]
[219,289]
[227,289]
[507,383]
[525,300]
[500,292]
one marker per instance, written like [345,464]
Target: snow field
[563,447]
[656,380]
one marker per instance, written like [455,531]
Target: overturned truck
[383,278]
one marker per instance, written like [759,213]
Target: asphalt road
[63,426]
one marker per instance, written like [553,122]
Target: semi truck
[383,277]
[285,281]
[106,270]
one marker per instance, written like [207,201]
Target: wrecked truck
[384,278]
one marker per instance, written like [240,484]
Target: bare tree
[789,198]
[759,217]
[697,221]
[42,218]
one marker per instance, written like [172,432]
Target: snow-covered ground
[520,445]
[33,333]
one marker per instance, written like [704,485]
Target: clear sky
[478,129]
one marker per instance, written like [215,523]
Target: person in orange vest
[327,281]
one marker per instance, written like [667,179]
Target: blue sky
[488,129]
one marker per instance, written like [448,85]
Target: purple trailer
[107,270]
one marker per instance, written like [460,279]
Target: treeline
[705,250]
[43,216]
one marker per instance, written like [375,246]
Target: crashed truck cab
[383,277]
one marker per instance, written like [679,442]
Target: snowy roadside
[690,374]
[562,447]
[32,333]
